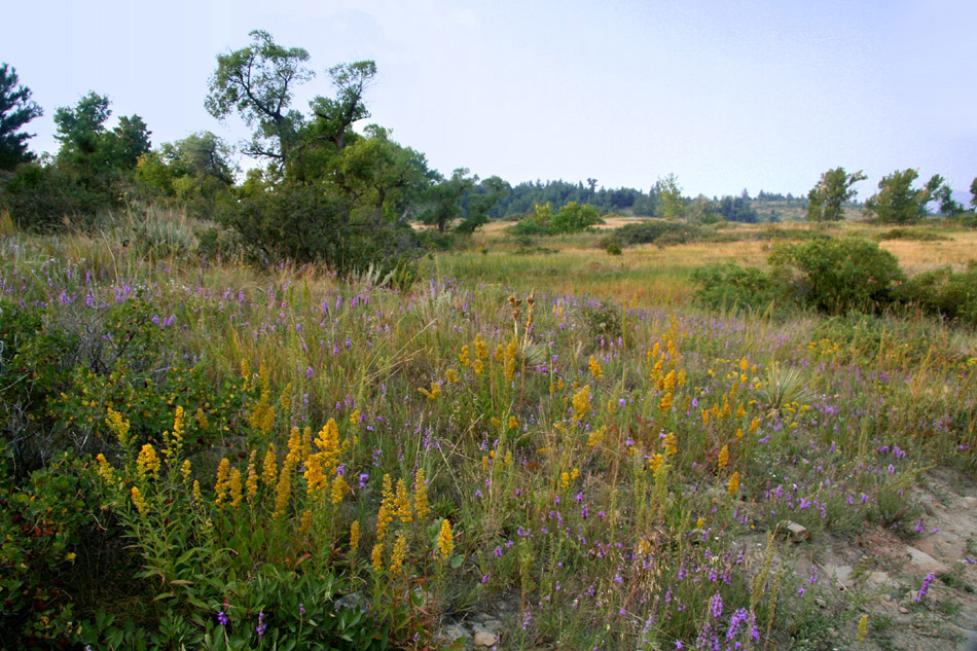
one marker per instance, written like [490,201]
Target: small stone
[903,610]
[484,638]
[450,633]
[796,532]
[923,561]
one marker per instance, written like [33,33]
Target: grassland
[554,449]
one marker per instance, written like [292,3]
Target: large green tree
[16,110]
[973,194]
[825,201]
[445,199]
[897,201]
[671,203]
[258,82]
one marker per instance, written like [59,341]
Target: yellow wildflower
[118,425]
[269,468]
[700,523]
[666,401]
[173,441]
[432,393]
[754,424]
[376,557]
[138,500]
[354,536]
[564,480]
[421,504]
[339,489]
[147,463]
[201,419]
[283,492]
[104,469]
[234,488]
[481,349]
[315,478]
[656,461]
[446,542]
[464,356]
[305,522]
[862,628]
[197,497]
[478,366]
[222,484]
[733,485]
[723,458]
[329,446]
[581,403]
[739,433]
[670,444]
[451,375]
[251,484]
[185,470]
[513,422]
[596,437]
[595,368]
[399,554]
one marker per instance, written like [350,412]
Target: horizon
[624,93]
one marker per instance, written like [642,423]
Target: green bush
[731,286]
[42,199]
[657,231]
[571,218]
[836,276]
[943,293]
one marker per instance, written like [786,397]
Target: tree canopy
[16,110]
[826,199]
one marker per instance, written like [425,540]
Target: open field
[533,450]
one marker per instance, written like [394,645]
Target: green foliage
[897,201]
[671,203]
[44,198]
[943,293]
[730,286]
[16,110]
[825,200]
[839,275]
[657,231]
[571,218]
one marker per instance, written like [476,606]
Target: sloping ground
[884,573]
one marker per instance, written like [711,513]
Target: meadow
[537,445]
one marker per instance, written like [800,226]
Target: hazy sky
[727,95]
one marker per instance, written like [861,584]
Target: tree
[826,199]
[444,198]
[973,194]
[944,194]
[480,202]
[671,204]
[337,116]
[897,201]
[16,110]
[258,82]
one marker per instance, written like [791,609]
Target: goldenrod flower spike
[446,543]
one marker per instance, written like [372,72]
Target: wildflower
[509,359]
[118,425]
[261,627]
[104,469]
[733,484]
[283,492]
[173,441]
[327,442]
[451,376]
[376,557]
[595,368]
[222,618]
[403,502]
[481,349]
[666,401]
[138,500]
[421,504]
[464,356]
[431,394]
[269,468]
[670,444]
[354,536]
[656,461]
[305,523]
[398,554]
[723,458]
[339,489]
[185,470]
[596,437]
[251,484]
[222,485]
[924,588]
[716,606]
[862,628]
[315,478]
[234,488]
[147,463]
[581,403]
[197,497]
[446,544]
[754,424]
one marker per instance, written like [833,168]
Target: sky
[727,95]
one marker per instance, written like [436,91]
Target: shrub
[944,293]
[43,199]
[731,286]
[571,218]
[657,231]
[836,276]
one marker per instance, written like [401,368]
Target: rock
[450,633]
[903,610]
[485,638]
[794,531]
[923,561]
